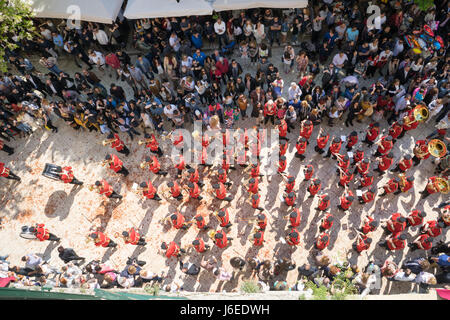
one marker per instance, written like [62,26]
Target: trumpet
[402,177]
[104,163]
[140,142]
[91,187]
[144,165]
[106,142]
[437,148]
[421,113]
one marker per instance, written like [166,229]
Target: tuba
[144,165]
[443,185]
[421,113]
[437,148]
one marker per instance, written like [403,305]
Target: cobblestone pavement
[70,213]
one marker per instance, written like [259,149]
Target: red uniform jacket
[366,228]
[320,243]
[195,191]
[102,240]
[67,174]
[221,243]
[322,141]
[395,130]
[153,144]
[372,133]
[178,221]
[116,164]
[307,131]
[396,226]
[323,205]
[105,188]
[133,236]
[295,221]
[4,172]
[150,193]
[366,181]
[414,218]
[361,244]
[259,241]
[201,246]
[175,190]
[434,230]
[308,175]
[398,244]
[172,250]
[385,163]
[326,224]
[117,144]
[42,233]
[314,189]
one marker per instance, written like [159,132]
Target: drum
[27,234]
[51,171]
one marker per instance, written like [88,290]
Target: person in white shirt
[102,38]
[219,29]
[405,275]
[294,92]
[174,42]
[339,60]
[97,58]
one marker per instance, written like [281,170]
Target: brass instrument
[437,148]
[106,142]
[91,187]
[402,182]
[443,185]
[144,165]
[421,113]
[104,163]
[140,142]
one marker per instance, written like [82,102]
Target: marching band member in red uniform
[323,240]
[415,218]
[404,164]
[384,163]
[115,164]
[352,139]
[372,133]
[152,144]
[117,144]
[7,173]
[294,217]
[308,171]
[424,242]
[105,189]
[322,141]
[366,180]
[66,175]
[175,190]
[42,233]
[101,240]
[132,236]
[391,186]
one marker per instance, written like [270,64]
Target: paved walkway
[71,213]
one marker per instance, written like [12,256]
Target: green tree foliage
[424,4]
[250,287]
[15,25]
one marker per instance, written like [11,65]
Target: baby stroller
[228,49]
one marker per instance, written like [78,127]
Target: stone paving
[70,213]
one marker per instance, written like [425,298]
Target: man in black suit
[34,83]
[403,74]
[54,88]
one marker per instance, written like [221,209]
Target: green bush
[152,289]
[319,293]
[250,287]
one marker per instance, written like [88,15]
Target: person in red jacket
[430,188]
[384,146]
[362,243]
[194,191]
[199,245]
[352,139]
[261,221]
[396,241]
[117,144]
[178,221]
[433,228]
[306,129]
[405,185]
[200,222]
[366,180]
[282,164]
[255,170]
[153,165]
[132,236]
[362,167]
[326,222]
[101,240]
[152,144]
[283,148]
[293,237]
[322,140]
[308,172]
[223,177]
[396,223]
[180,165]
[224,218]
[290,184]
[415,218]
[314,187]
[372,133]
[391,186]
[301,147]
[289,199]
[420,151]
[343,162]
[404,164]
[149,191]
[369,224]
[423,241]
[323,240]
[254,200]
[358,156]
[258,238]
[283,129]
[115,164]
[42,233]
[172,250]
[368,196]
[105,189]
[7,173]
[395,130]
[221,192]
[175,190]
[270,110]
[346,200]
[334,148]
[294,217]
[384,163]
[345,177]
[66,175]
[324,202]
[194,176]
[253,185]
[221,239]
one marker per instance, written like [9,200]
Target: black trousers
[115,195]
[123,171]
[52,237]
[75,181]
[158,152]
[111,244]
[125,151]
[12,176]
[8,149]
